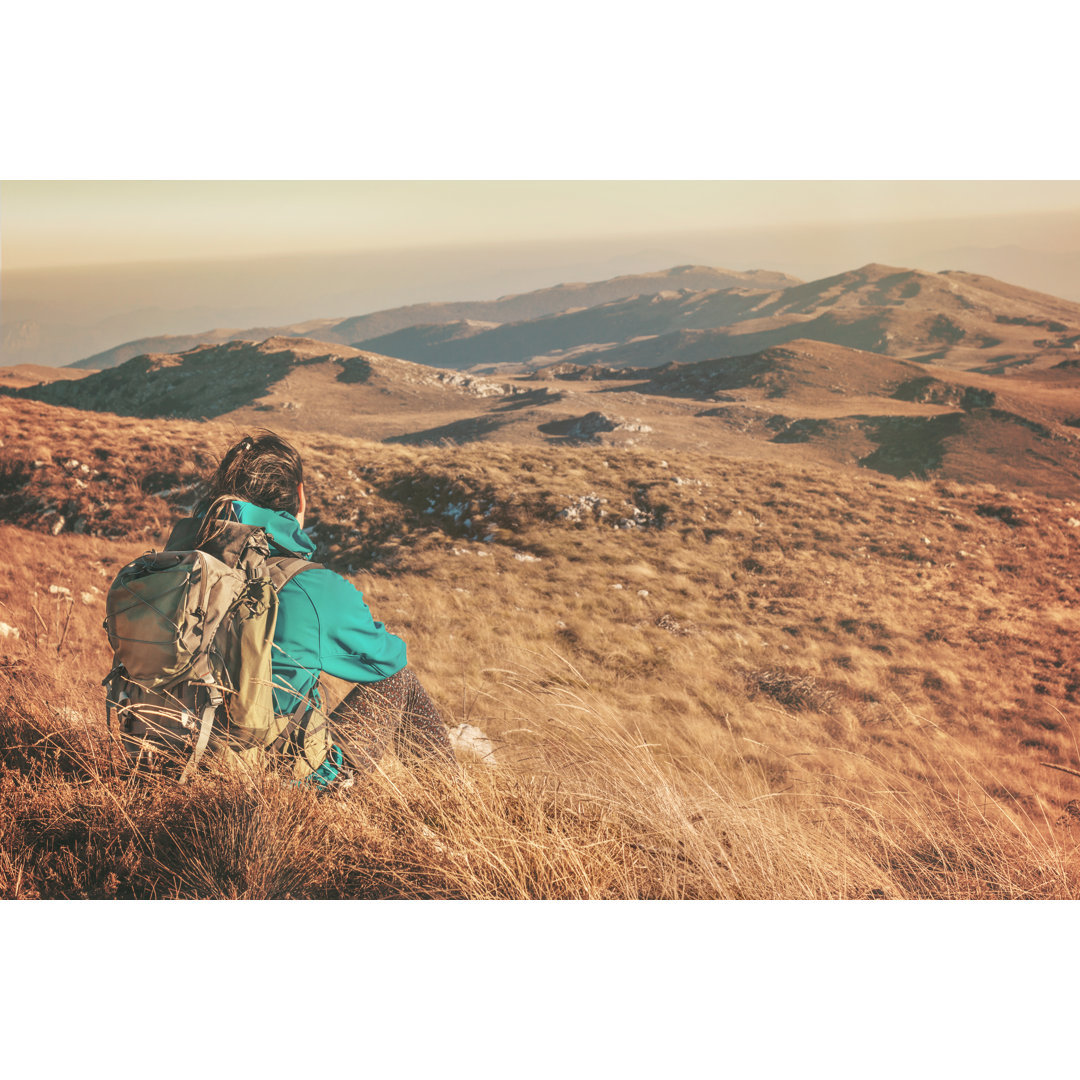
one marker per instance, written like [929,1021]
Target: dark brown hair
[262,469]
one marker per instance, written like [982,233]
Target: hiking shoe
[332,775]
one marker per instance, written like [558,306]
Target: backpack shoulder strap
[283,568]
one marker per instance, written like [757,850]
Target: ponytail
[262,469]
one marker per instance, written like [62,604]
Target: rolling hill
[805,400]
[20,375]
[952,319]
[511,308]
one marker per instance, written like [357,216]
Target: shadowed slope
[804,400]
[957,320]
[512,308]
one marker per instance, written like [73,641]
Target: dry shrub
[583,806]
[791,690]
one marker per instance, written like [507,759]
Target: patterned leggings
[396,709]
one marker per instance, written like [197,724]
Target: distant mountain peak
[878,270]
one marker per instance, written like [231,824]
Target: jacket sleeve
[352,645]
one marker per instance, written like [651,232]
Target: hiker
[323,623]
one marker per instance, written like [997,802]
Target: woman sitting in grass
[323,623]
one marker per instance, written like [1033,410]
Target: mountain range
[903,371]
[688,313]
[522,307]
[803,400]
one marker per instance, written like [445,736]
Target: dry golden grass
[583,807]
[779,683]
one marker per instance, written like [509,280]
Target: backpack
[192,632]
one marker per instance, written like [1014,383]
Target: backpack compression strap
[282,569]
[206,723]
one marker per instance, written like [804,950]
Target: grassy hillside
[803,402]
[704,677]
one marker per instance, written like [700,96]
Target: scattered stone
[673,626]
[616,586]
[471,741]
[643,592]
[70,715]
[59,590]
[584,505]
[58,525]
[524,556]
[9,631]
[1073,523]
[590,426]
[636,518]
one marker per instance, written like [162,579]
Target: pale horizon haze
[88,265]
[60,223]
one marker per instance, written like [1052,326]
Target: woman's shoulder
[323,585]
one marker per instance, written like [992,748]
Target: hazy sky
[55,223]
[86,265]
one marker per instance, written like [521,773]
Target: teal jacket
[323,623]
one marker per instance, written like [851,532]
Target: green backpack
[192,632]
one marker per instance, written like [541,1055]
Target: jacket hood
[282,528]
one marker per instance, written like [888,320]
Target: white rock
[471,741]
[643,592]
[70,715]
[59,590]
[58,526]
[8,631]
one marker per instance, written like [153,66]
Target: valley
[766,615]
